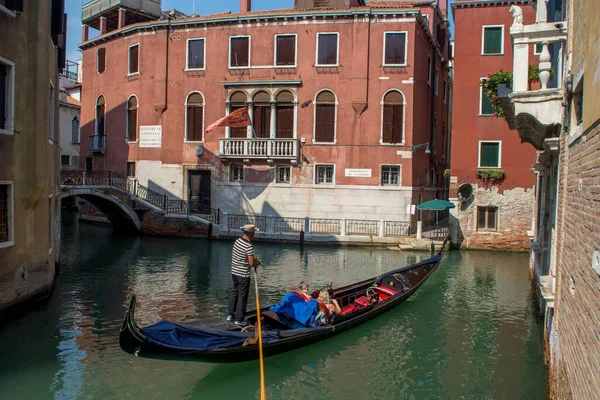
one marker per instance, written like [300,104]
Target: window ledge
[284,66]
[7,132]
[237,68]
[134,75]
[7,11]
[324,143]
[194,70]
[132,142]
[485,115]
[194,141]
[393,144]
[4,245]
[394,65]
[486,232]
[332,66]
[492,54]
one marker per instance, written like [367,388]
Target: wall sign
[150,136]
[358,173]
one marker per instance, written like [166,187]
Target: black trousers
[239,297]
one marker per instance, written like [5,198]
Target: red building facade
[488,214]
[339,97]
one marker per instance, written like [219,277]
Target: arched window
[393,117]
[285,115]
[261,105]
[325,117]
[132,120]
[75,130]
[237,101]
[195,117]
[100,123]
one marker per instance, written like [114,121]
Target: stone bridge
[126,203]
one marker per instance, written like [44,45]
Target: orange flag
[236,119]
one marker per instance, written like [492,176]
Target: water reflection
[469,332]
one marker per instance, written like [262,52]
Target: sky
[201,7]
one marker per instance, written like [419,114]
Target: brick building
[349,104]
[488,214]
[565,130]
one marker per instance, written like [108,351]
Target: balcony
[97,144]
[259,149]
[137,11]
[536,114]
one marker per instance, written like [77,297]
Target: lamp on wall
[416,147]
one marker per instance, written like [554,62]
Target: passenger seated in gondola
[299,309]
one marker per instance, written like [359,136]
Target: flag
[236,119]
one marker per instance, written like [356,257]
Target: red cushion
[362,301]
[386,290]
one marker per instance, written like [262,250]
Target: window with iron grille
[390,175]
[487,218]
[327,49]
[325,175]
[239,52]
[101,62]
[492,40]
[284,174]
[5,213]
[134,54]
[195,54]
[236,173]
[65,161]
[131,169]
[285,50]
[395,48]
[75,130]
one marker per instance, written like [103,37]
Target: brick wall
[578,310]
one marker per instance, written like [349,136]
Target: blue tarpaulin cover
[294,308]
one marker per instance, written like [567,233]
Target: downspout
[166,68]
[432,90]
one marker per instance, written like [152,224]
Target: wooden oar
[263,391]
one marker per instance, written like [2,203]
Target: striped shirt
[242,248]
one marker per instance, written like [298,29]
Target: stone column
[343,227]
[250,128]
[541,15]
[381,228]
[121,17]
[306,225]
[224,222]
[102,25]
[273,120]
[419,230]
[270,224]
[85,33]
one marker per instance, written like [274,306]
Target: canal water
[470,332]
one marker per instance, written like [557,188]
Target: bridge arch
[122,217]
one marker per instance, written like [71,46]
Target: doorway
[199,190]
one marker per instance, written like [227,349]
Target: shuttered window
[239,55]
[3,94]
[285,115]
[489,155]
[134,52]
[132,110]
[393,118]
[262,115]
[196,54]
[101,59]
[285,51]
[237,101]
[486,107]
[327,51]
[195,105]
[492,39]
[100,123]
[325,118]
[395,48]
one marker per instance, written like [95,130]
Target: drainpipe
[432,91]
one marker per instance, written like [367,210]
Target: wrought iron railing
[324,225]
[236,220]
[396,228]
[283,224]
[108,178]
[437,231]
[362,227]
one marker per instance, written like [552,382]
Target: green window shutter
[492,40]
[490,155]
[486,106]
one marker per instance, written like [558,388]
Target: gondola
[217,341]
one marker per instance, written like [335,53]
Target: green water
[469,332]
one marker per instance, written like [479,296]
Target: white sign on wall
[150,136]
[358,173]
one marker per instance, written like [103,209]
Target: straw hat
[249,228]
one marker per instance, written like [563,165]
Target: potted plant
[490,87]
[490,175]
[534,78]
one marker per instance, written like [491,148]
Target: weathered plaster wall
[515,213]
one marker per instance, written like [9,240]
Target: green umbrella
[436,205]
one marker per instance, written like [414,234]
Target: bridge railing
[109,178]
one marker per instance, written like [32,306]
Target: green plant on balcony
[490,89]
[447,172]
[490,175]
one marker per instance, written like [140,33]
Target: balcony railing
[259,148]
[97,143]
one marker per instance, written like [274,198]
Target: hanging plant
[490,87]
[490,175]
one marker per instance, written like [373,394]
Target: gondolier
[242,258]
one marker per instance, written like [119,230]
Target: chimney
[245,6]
